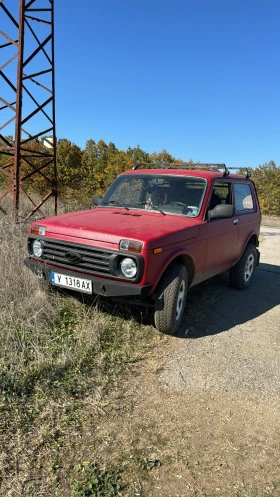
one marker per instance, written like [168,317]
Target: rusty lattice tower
[27,102]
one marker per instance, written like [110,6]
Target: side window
[243,197]
[221,195]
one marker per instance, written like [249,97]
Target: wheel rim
[249,267]
[180,300]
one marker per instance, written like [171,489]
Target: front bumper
[100,286]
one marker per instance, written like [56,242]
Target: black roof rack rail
[195,165]
[248,173]
[179,165]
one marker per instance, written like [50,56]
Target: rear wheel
[171,299]
[241,274]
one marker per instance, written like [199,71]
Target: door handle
[235,221]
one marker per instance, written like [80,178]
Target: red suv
[154,234]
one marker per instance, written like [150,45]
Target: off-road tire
[239,277]
[170,287]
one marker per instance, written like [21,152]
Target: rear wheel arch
[253,241]
[241,273]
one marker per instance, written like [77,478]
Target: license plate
[72,282]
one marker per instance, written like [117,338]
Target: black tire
[241,274]
[171,299]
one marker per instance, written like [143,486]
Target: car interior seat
[215,200]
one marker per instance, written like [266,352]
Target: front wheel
[241,274]
[171,299]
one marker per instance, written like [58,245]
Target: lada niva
[156,232]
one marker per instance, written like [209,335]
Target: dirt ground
[269,220]
[206,403]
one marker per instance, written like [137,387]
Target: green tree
[137,154]
[5,159]
[267,180]
[117,163]
[69,162]
[89,165]
[162,156]
[104,154]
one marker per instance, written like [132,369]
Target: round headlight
[128,267]
[37,248]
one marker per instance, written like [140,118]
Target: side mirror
[222,211]
[96,199]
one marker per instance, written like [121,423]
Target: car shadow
[214,306]
[114,307]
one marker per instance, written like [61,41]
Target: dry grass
[68,201]
[61,360]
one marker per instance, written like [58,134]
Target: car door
[222,234]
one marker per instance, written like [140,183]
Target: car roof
[210,175]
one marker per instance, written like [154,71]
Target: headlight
[128,267]
[37,248]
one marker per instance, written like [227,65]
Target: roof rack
[195,165]
[248,173]
[179,165]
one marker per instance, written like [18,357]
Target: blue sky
[200,79]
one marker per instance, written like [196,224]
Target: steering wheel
[179,203]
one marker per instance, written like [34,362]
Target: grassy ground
[61,361]
[83,411]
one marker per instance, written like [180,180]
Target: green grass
[96,482]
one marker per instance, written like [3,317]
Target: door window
[221,195]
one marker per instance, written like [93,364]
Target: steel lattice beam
[27,153]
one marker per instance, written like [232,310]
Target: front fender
[163,260]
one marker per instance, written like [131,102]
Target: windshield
[181,195]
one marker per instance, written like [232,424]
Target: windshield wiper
[153,207]
[116,203]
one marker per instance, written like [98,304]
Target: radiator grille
[89,259]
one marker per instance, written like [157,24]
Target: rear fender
[254,240]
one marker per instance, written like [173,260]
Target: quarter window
[243,197]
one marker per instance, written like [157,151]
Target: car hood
[110,225]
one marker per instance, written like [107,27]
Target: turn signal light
[38,230]
[131,246]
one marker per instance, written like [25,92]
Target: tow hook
[39,273]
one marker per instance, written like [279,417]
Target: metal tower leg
[25,160]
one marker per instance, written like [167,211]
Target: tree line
[82,172]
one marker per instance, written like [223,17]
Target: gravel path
[234,339]
[206,403]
